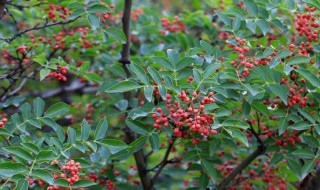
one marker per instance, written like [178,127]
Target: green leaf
[312,78]
[22,184]
[137,126]
[4,131]
[215,144]
[101,129]
[139,143]
[46,155]
[276,158]
[124,86]
[148,93]
[94,21]
[281,90]
[26,111]
[19,151]
[298,60]
[154,142]
[163,62]
[246,108]
[283,53]
[77,13]
[251,25]
[74,5]
[41,59]
[85,67]
[206,46]
[210,70]
[307,168]
[43,73]
[302,125]
[140,73]
[264,26]
[173,56]
[85,130]
[61,183]
[43,175]
[295,166]
[304,153]
[57,110]
[283,125]
[208,167]
[117,34]
[32,147]
[251,7]
[278,24]
[238,135]
[155,75]
[83,183]
[224,18]
[235,123]
[98,8]
[38,106]
[93,77]
[113,145]
[9,169]
[71,135]
[236,23]
[261,108]
[184,62]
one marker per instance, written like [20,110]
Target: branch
[130,136]
[36,27]
[2,8]
[223,184]
[256,135]
[163,163]
[20,7]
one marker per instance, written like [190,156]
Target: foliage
[218,95]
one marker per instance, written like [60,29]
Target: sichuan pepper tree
[159,95]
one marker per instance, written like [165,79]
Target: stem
[223,184]
[163,163]
[130,136]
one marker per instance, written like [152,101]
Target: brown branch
[21,7]
[163,163]
[223,184]
[36,27]
[130,136]
[2,8]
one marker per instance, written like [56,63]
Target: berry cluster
[292,139]
[242,58]
[136,13]
[59,74]
[71,171]
[175,26]
[3,120]
[23,49]
[307,24]
[60,11]
[190,114]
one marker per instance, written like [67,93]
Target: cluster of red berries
[136,13]
[292,139]
[32,181]
[175,26]
[59,74]
[71,171]
[191,114]
[307,24]
[3,120]
[103,17]
[55,10]
[23,49]
[242,58]
[89,110]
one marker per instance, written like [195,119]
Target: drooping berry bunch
[3,120]
[135,13]
[292,139]
[307,24]
[56,10]
[172,26]
[59,74]
[187,117]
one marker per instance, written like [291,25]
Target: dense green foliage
[214,94]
